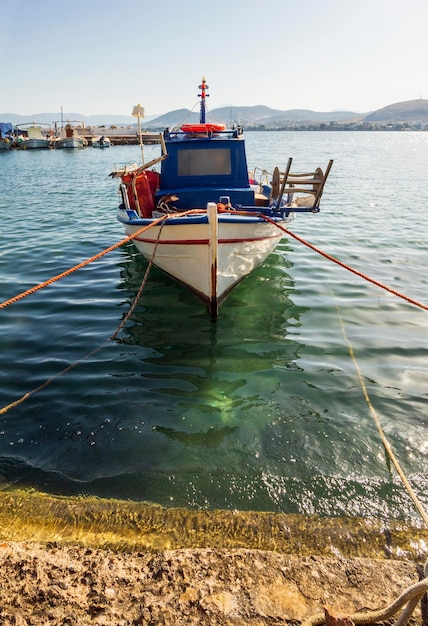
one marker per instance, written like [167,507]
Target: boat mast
[138,111]
[202,96]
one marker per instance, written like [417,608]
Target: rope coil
[411,596]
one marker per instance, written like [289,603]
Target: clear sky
[105,56]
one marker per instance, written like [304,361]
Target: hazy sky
[104,56]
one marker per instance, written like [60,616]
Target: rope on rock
[411,596]
[415,592]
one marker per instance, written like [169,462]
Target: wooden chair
[299,190]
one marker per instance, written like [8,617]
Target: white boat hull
[184,251]
[71,143]
[34,144]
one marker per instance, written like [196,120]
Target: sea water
[264,409]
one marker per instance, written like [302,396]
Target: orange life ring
[203,128]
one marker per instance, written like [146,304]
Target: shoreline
[130,525]
[76,561]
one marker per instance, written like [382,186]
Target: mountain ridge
[255,116]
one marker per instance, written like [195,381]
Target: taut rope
[345,266]
[415,592]
[3,305]
[27,395]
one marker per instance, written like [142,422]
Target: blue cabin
[200,168]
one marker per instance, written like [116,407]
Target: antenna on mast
[202,96]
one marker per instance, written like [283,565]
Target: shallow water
[263,410]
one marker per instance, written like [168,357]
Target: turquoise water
[262,410]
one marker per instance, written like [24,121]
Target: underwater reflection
[207,391]
[173,410]
[210,438]
[215,368]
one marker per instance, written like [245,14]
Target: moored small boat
[101,141]
[70,138]
[196,214]
[30,136]
[6,136]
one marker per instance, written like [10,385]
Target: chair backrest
[299,189]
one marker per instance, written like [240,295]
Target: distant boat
[203,219]
[69,137]
[6,136]
[101,141]
[33,139]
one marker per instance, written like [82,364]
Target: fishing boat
[31,137]
[196,212]
[6,136]
[69,137]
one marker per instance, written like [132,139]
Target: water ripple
[263,410]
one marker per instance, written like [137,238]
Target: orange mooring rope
[3,305]
[136,234]
[27,395]
[76,267]
[160,220]
[347,267]
[140,290]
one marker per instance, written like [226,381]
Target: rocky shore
[109,563]
[72,585]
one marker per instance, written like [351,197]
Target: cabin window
[204,162]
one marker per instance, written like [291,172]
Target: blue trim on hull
[203,219]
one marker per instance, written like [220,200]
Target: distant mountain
[262,116]
[173,118]
[89,120]
[408,111]
[258,115]
[245,114]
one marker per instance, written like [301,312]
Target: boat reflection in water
[173,410]
[207,392]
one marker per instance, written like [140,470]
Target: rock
[189,586]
